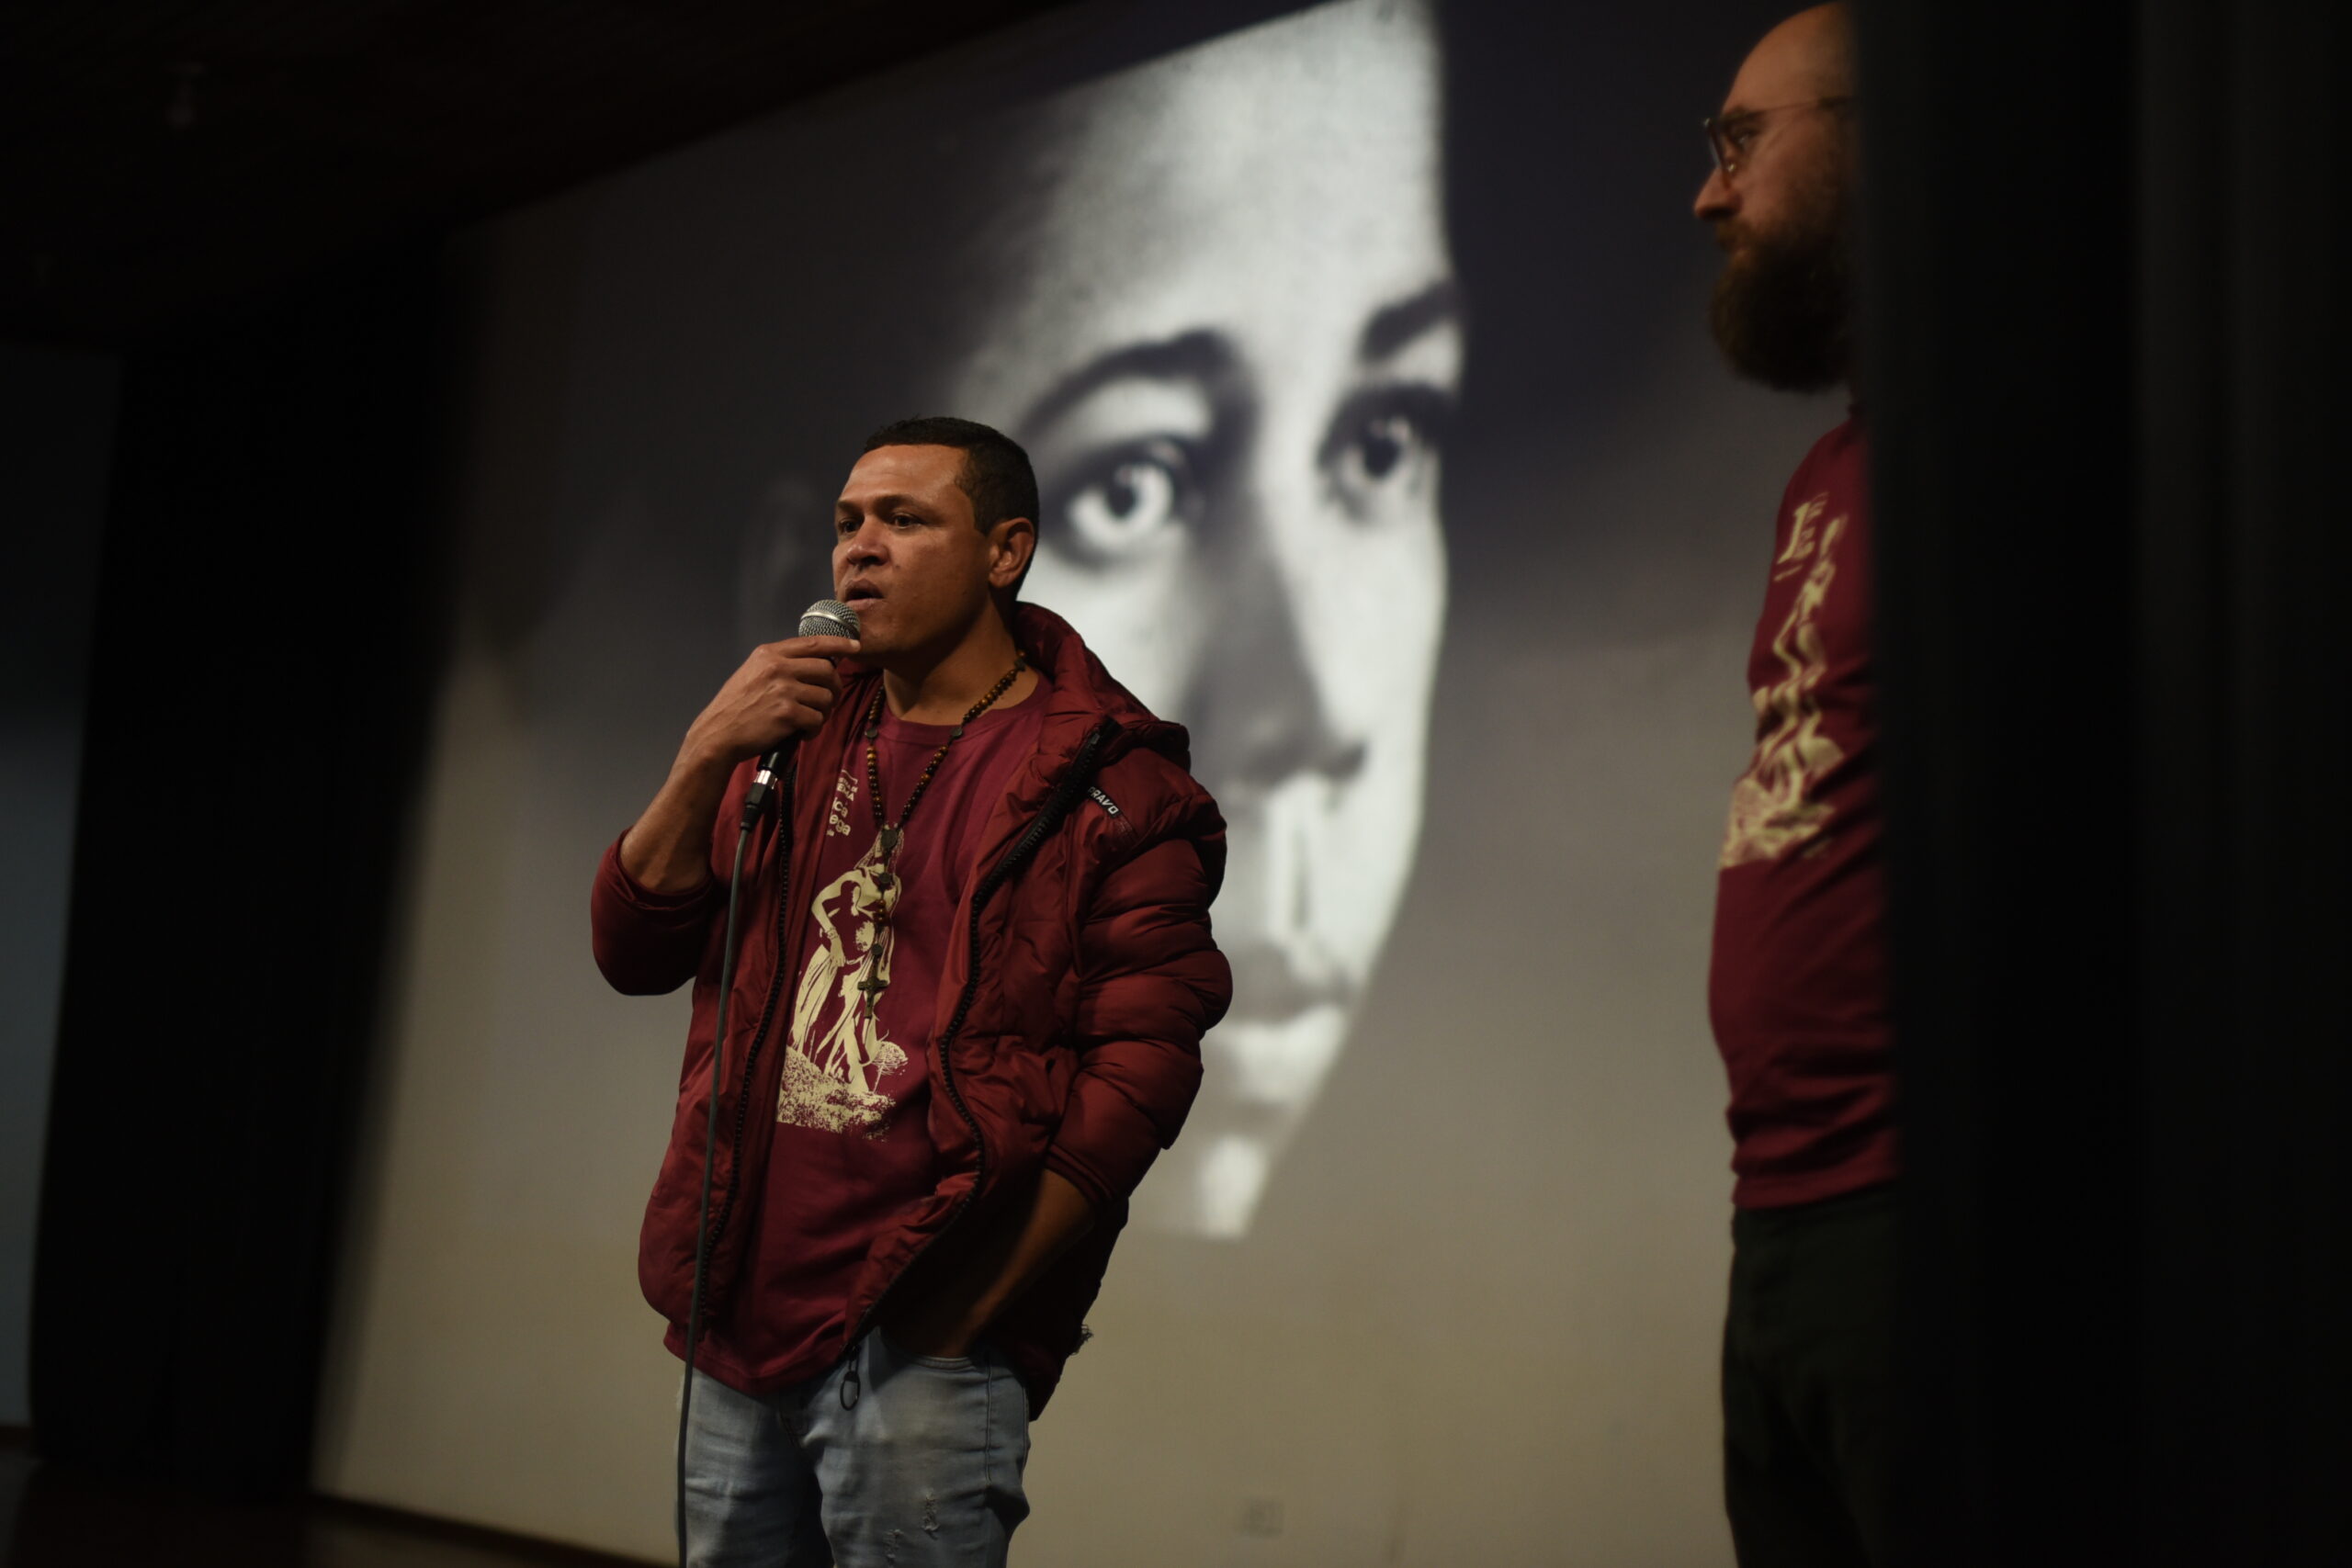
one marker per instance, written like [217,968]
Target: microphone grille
[829,618]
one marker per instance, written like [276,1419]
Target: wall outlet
[1261,1515]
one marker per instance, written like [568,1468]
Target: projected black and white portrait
[1232,356]
[1212,296]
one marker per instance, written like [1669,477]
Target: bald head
[1811,55]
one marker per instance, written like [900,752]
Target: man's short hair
[996,475]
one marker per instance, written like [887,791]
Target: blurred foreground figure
[973,970]
[1798,987]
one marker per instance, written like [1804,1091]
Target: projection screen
[1361,351]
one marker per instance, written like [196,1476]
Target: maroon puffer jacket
[1070,1019]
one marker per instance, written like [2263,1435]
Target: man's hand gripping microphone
[826,617]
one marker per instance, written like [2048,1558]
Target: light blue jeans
[919,1465]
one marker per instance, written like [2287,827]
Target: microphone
[826,617]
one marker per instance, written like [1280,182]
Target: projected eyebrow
[1393,326]
[1201,356]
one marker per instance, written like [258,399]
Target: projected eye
[1385,447]
[1126,506]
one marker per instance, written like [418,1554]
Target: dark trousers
[1808,1383]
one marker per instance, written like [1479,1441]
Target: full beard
[1784,309]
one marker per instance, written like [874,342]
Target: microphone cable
[826,617]
[710,1151]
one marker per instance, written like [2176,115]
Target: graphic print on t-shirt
[844,796]
[1773,806]
[838,1058]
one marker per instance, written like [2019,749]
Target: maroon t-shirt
[1798,988]
[852,1140]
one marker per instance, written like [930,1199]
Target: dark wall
[2106,349]
[56,432]
[261,646]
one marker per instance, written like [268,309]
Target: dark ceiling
[164,158]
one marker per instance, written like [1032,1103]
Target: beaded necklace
[889,834]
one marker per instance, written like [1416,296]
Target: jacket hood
[1080,696]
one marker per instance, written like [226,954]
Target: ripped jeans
[922,1468]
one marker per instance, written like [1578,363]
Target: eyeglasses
[1729,136]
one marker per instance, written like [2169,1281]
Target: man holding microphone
[973,964]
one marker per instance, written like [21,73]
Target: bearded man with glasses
[1797,988]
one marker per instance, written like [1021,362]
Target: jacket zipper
[767,1009]
[1058,807]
